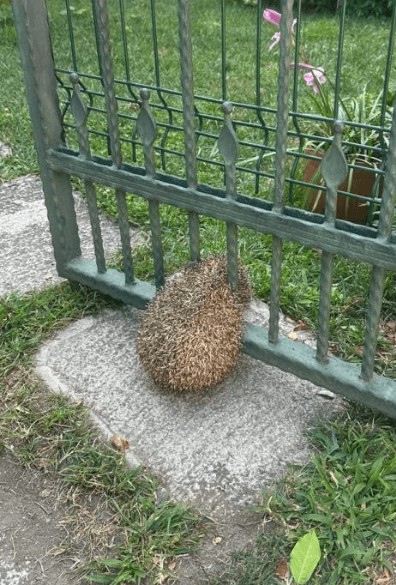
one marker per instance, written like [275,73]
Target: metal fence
[112,110]
[139,44]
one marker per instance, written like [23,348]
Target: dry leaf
[172,565]
[333,477]
[55,552]
[217,540]
[300,326]
[359,350]
[120,444]
[45,493]
[282,569]
[389,331]
[158,562]
[384,579]
[326,393]
[293,335]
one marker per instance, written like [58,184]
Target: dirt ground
[38,547]
[235,533]
[32,542]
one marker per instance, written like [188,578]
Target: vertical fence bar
[187,84]
[104,48]
[71,35]
[223,51]
[80,115]
[334,170]
[340,49]
[121,4]
[131,91]
[296,124]
[384,233]
[388,66]
[258,96]
[280,161]
[31,23]
[228,148]
[169,112]
[147,130]
[373,319]
[326,279]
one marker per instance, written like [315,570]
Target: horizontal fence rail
[118,125]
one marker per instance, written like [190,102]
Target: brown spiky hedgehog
[191,333]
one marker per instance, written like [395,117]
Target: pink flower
[314,77]
[275,40]
[272,16]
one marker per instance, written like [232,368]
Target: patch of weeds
[346,493]
[163,534]
[257,564]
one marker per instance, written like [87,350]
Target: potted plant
[364,141]
[364,146]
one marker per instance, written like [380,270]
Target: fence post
[31,23]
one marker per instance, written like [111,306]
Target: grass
[147,531]
[26,320]
[347,494]
[15,128]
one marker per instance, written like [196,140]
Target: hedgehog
[191,333]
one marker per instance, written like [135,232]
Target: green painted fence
[87,96]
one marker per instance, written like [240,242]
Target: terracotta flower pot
[359,182]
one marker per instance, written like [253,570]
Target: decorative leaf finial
[334,167]
[145,122]
[77,105]
[228,142]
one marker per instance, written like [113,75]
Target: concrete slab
[26,257]
[216,449]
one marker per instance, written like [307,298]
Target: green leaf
[376,470]
[305,557]
[320,518]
